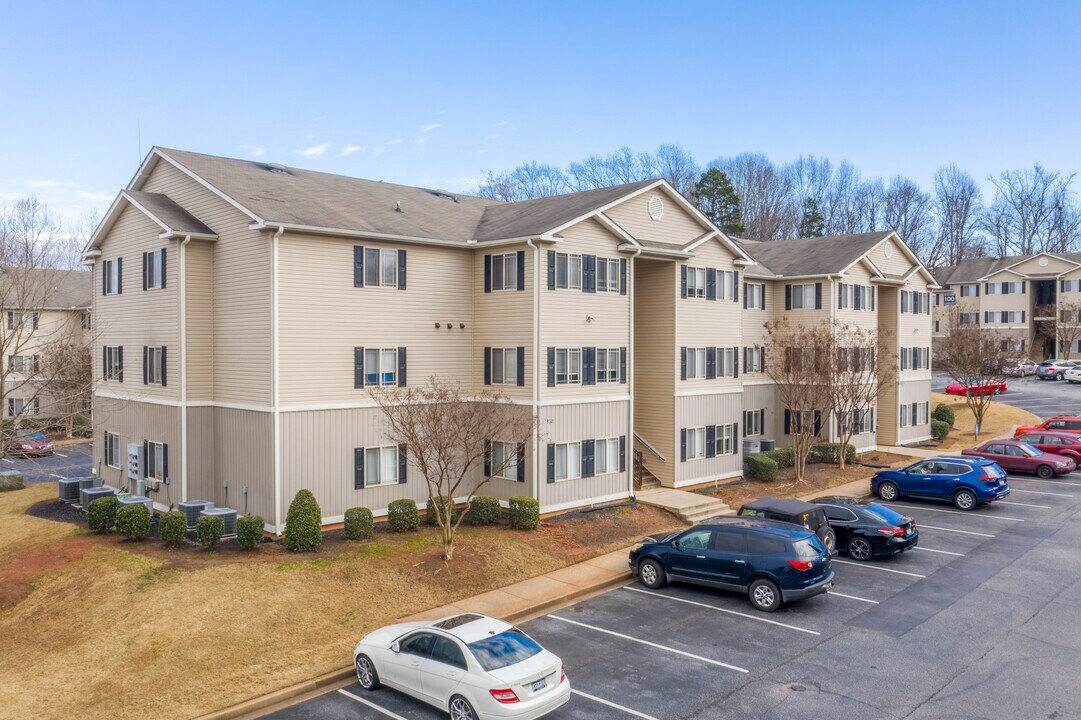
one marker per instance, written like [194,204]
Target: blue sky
[434,93]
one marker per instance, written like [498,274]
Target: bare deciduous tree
[448,435]
[1032,211]
[957,210]
[69,368]
[974,357]
[908,212]
[855,378]
[765,196]
[1064,327]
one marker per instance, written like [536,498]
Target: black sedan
[865,529]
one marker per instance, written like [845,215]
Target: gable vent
[656,208]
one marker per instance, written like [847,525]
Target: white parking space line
[958,512]
[1008,502]
[8,460]
[611,704]
[850,597]
[60,454]
[372,705]
[720,609]
[876,567]
[1049,482]
[954,530]
[56,476]
[1039,492]
[650,644]
[941,552]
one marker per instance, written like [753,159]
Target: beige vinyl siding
[574,423]
[914,329]
[702,323]
[504,319]
[916,391]
[137,422]
[203,480]
[242,287]
[199,318]
[700,411]
[323,317]
[1050,266]
[866,318]
[244,455]
[137,318]
[655,368]
[889,309]
[897,263]
[676,227]
[763,396]
[997,302]
[806,315]
[574,319]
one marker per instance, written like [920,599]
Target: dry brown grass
[122,621]
[999,420]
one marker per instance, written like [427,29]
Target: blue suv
[773,562]
[967,482]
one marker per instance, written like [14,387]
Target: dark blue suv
[772,561]
[967,482]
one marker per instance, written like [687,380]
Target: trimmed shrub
[939,429]
[403,516]
[172,527]
[761,468]
[359,524]
[302,523]
[101,515]
[784,457]
[524,513]
[484,510]
[441,502]
[944,413]
[208,530]
[133,521]
[249,531]
[830,452]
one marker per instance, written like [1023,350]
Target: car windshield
[507,648]
[809,547]
[27,435]
[1028,449]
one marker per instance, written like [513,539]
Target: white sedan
[1073,375]
[470,665]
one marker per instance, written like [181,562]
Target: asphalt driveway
[66,462]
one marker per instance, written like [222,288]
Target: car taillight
[800,565]
[989,475]
[562,673]
[898,532]
[505,696]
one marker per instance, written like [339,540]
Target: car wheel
[1058,376]
[964,500]
[460,709]
[1045,471]
[366,674]
[888,491]
[830,539]
[764,595]
[996,391]
[860,549]
[652,574]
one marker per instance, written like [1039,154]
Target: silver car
[1019,368]
[1054,369]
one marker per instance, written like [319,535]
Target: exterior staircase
[689,507]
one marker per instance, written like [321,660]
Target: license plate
[539,685]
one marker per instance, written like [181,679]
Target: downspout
[833,330]
[184,368]
[274,378]
[531,242]
[630,373]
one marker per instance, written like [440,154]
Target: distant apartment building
[246,311]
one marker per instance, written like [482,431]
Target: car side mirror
[395,646]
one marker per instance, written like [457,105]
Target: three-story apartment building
[257,306]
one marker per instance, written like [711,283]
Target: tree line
[748,195]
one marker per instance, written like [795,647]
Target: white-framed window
[155,269]
[505,460]
[969,318]
[923,413]
[568,366]
[696,443]
[803,296]
[154,374]
[1012,316]
[608,365]
[114,363]
[606,456]
[858,421]
[726,362]
[726,285]
[608,275]
[568,271]
[112,449]
[19,406]
[380,267]
[696,282]
[799,419]
[504,366]
[155,460]
[755,296]
[23,364]
[568,461]
[380,366]
[752,359]
[505,272]
[696,363]
[753,421]
[726,439]
[969,290]
[110,270]
[26,320]
[1070,316]
[915,414]
[381,465]
[86,320]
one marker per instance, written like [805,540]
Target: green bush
[784,457]
[761,467]
[403,516]
[939,429]
[208,530]
[172,527]
[133,521]
[944,413]
[830,452]
[303,531]
[484,510]
[249,531]
[359,524]
[101,515]
[524,513]
[441,502]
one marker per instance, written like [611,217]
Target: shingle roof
[50,288]
[174,217]
[970,270]
[810,256]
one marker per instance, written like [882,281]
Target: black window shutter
[519,258]
[551,463]
[818,296]
[358,266]
[623,365]
[711,284]
[589,366]
[120,362]
[145,255]
[711,441]
[735,436]
[589,273]
[403,465]
[146,355]
[818,423]
[164,371]
[358,367]
[119,275]
[1022,316]
[146,457]
[711,363]
[735,286]
[358,468]
[872,297]
[762,300]
[787,422]
[622,276]
[787,297]
[587,457]
[623,453]
[521,462]
[683,363]
[745,358]
[521,365]
[735,362]
[487,273]
[551,367]
[401,269]
[683,281]
[840,296]
[163,272]
[164,453]
[487,366]
[683,445]
[487,458]
[104,361]
[104,276]
[551,269]
[401,367]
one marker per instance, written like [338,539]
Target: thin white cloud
[380,151]
[350,149]
[501,123]
[95,196]
[315,150]
[257,152]
[420,140]
[42,184]
[393,142]
[429,127]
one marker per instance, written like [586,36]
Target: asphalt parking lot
[977,622]
[1045,398]
[66,462]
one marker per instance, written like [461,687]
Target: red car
[1059,424]
[975,387]
[1017,456]
[1056,443]
[30,443]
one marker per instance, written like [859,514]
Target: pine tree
[717,199]
[812,224]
